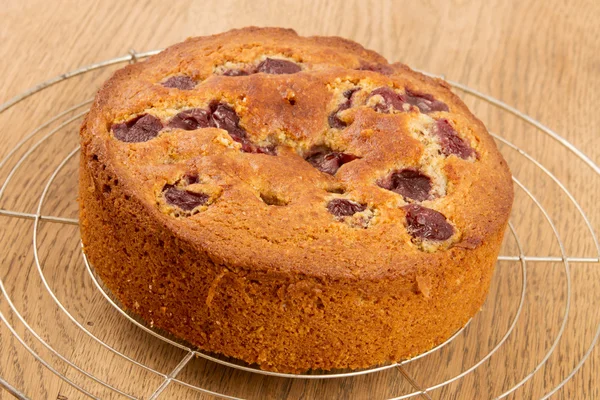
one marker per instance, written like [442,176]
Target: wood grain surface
[540,56]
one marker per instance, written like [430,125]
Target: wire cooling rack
[536,330]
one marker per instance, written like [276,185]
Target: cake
[292,202]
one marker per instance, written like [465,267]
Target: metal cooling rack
[62,366]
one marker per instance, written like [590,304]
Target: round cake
[294,202]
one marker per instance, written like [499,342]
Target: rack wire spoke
[50,348]
[563,188]
[31,330]
[45,218]
[45,282]
[171,376]
[14,169]
[72,114]
[40,359]
[205,391]
[413,383]
[41,127]
[568,302]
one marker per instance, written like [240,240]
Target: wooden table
[542,57]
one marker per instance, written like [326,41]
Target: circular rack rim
[133,57]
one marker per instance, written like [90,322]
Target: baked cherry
[450,142]
[190,179]
[191,119]
[139,129]
[278,66]
[425,102]
[222,116]
[249,147]
[344,207]
[182,82]
[334,120]
[225,117]
[391,99]
[376,67]
[428,224]
[409,183]
[183,199]
[330,162]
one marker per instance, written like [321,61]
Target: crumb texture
[295,202]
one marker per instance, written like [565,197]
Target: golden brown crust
[290,287]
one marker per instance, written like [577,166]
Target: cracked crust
[262,270]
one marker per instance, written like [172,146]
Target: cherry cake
[293,202]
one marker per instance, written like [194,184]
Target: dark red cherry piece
[425,102]
[409,183]
[334,120]
[222,116]
[330,162]
[428,224]
[182,82]
[139,129]
[183,199]
[249,147]
[344,207]
[190,179]
[225,117]
[391,99]
[192,119]
[450,142]
[277,67]
[348,95]
[376,67]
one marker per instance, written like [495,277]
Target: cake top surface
[275,152]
